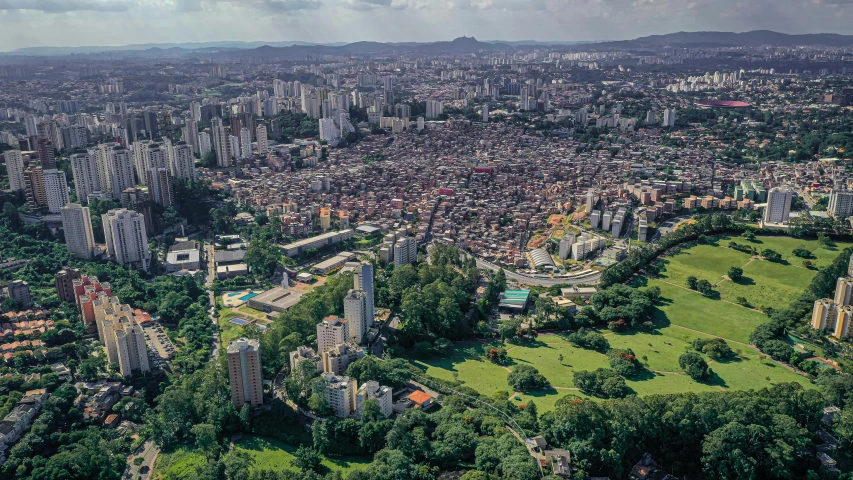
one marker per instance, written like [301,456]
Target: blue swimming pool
[239,321]
[248,296]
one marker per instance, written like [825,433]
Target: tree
[525,378]
[263,257]
[704,287]
[307,459]
[802,252]
[771,255]
[695,366]
[692,282]
[372,411]
[205,439]
[735,273]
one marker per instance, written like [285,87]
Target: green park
[680,316]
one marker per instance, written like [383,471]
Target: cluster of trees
[61,444]
[434,298]
[641,257]
[715,348]
[603,382]
[702,286]
[525,378]
[624,362]
[721,435]
[620,307]
[589,339]
[771,255]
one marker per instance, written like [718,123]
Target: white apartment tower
[246,143]
[778,205]
[221,142]
[244,371]
[182,162]
[56,189]
[363,280]
[204,145]
[84,169]
[340,394]
[127,240]
[355,311]
[840,204]
[332,331]
[263,144]
[15,169]
[77,225]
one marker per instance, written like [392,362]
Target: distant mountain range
[458,45]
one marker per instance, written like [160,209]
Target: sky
[28,23]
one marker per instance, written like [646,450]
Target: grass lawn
[475,372]
[180,463]
[823,257]
[270,454]
[768,284]
[689,309]
[229,331]
[708,262]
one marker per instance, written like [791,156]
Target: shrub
[714,348]
[496,354]
[624,362]
[604,382]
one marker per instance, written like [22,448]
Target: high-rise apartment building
[34,187]
[77,225]
[363,280]
[338,358]
[191,135]
[434,108]
[840,203]
[19,291]
[160,186]
[340,394]
[127,239]
[121,333]
[84,170]
[204,143]
[332,331]
[371,390]
[182,162]
[64,282]
[56,190]
[355,311]
[46,153]
[778,205]
[245,143]
[221,142]
[263,143]
[244,371]
[15,169]
[405,251]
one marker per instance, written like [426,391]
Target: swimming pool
[248,296]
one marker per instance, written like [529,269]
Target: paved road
[541,281]
[668,226]
[148,451]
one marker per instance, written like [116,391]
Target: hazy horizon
[76,23]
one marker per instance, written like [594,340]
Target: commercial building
[331,264]
[371,390]
[340,394]
[244,371]
[277,299]
[77,225]
[317,242]
[127,240]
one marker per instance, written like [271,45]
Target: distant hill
[458,45]
[747,39]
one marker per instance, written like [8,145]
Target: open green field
[692,310]
[764,284]
[229,331]
[270,454]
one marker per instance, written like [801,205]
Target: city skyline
[179,21]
